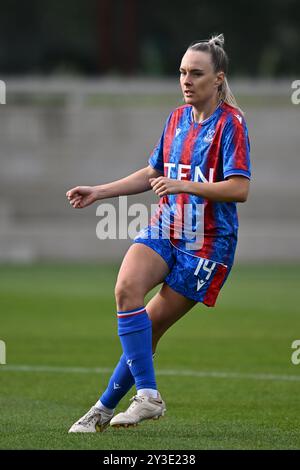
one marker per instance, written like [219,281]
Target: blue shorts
[199,279]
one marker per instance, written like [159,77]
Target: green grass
[64,316]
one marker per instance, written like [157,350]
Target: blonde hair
[215,47]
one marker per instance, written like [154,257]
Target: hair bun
[217,40]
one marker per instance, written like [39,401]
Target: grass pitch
[225,373]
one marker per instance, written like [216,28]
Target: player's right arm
[138,182]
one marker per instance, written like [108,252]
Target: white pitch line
[161,372]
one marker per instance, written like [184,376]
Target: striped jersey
[209,151]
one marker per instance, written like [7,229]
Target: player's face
[199,82]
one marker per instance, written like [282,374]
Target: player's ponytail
[215,46]
[226,95]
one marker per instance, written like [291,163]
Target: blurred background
[89,86]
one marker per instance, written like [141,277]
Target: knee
[128,295]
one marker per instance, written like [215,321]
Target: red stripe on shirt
[168,140]
[240,147]
[186,159]
[239,138]
[213,161]
[170,132]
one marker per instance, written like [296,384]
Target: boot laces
[89,416]
[135,401]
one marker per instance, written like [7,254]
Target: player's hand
[162,186]
[81,196]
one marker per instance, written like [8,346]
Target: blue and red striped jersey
[209,151]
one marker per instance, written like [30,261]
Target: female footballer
[200,169]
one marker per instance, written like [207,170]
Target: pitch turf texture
[225,373]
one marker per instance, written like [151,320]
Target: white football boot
[142,407]
[95,420]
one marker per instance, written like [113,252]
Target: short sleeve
[156,159]
[236,147]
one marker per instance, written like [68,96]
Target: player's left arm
[234,189]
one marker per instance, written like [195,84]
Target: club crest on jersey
[209,136]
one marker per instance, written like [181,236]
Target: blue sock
[135,332]
[120,383]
